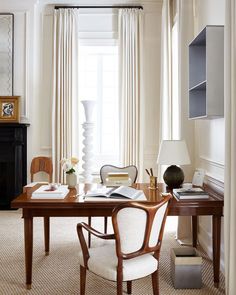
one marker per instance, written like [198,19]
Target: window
[175,86]
[175,75]
[98,81]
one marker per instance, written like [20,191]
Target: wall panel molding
[27,24]
[216,184]
[214,169]
[21,65]
[212,162]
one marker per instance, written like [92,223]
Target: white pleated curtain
[230,147]
[130,36]
[185,19]
[166,77]
[184,11]
[65,57]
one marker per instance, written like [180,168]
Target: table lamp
[173,152]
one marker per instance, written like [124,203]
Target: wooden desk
[75,206]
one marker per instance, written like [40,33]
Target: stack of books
[188,194]
[118,178]
[47,192]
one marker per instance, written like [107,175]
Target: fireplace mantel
[13,161]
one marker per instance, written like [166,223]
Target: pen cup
[153,182]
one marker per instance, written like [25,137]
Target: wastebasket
[186,268]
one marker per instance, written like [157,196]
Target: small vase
[71,180]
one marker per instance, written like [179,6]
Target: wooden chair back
[132,170]
[41,164]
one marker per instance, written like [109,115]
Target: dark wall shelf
[13,161]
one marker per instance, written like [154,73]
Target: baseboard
[205,240]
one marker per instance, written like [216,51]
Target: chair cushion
[103,262]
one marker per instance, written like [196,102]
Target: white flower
[69,164]
[74,161]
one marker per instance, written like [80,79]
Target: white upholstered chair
[105,169]
[138,230]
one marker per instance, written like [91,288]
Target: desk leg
[89,234]
[216,232]
[194,230]
[28,228]
[46,234]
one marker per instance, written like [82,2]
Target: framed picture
[6,53]
[9,109]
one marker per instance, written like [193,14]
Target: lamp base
[173,176]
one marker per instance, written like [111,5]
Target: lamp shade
[173,152]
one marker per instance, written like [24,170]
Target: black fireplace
[13,161]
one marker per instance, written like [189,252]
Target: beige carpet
[58,273]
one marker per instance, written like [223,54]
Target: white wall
[33,70]
[25,65]
[209,134]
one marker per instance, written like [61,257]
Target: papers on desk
[45,192]
[121,193]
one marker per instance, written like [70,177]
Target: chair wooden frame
[41,164]
[150,211]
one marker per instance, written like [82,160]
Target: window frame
[100,157]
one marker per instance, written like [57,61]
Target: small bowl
[53,186]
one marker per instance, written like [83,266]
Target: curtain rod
[115,6]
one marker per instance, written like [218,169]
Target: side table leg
[28,229]
[46,234]
[194,230]
[216,233]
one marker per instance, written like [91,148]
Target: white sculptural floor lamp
[87,150]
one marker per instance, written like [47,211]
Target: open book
[121,193]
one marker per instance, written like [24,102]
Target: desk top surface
[73,200]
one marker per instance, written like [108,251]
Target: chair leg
[89,235]
[105,224]
[119,287]
[119,282]
[155,282]
[129,287]
[82,280]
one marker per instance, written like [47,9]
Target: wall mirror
[6,53]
